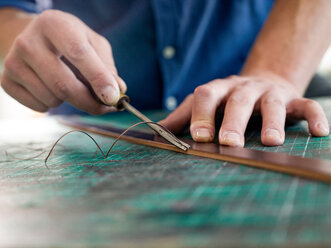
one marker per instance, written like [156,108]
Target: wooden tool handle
[122,98]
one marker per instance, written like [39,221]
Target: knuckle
[239,90]
[47,16]
[41,108]
[104,42]
[271,100]
[4,84]
[250,83]
[204,91]
[22,44]
[10,64]
[214,82]
[99,40]
[61,90]
[233,77]
[98,80]
[309,104]
[52,19]
[53,102]
[77,50]
[190,96]
[239,99]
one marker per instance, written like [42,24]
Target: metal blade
[166,135]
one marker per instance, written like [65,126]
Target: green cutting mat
[155,198]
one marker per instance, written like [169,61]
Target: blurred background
[10,109]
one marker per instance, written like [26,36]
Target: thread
[14,152]
[105,155]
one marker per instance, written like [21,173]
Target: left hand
[274,97]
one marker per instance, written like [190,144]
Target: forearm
[12,22]
[292,41]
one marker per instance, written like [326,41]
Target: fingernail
[231,139]
[323,128]
[202,135]
[110,95]
[273,135]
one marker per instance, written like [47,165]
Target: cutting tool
[124,103]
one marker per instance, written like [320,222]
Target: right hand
[35,75]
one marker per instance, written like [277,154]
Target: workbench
[148,197]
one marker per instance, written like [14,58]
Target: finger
[104,51]
[20,73]
[73,43]
[180,117]
[273,112]
[59,79]
[207,98]
[22,95]
[313,113]
[238,109]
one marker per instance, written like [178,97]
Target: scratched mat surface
[149,197]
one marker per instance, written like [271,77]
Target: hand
[35,75]
[274,97]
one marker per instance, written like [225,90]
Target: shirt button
[169,52]
[171,103]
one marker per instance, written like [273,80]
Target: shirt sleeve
[33,6]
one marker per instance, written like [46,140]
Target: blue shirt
[164,49]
